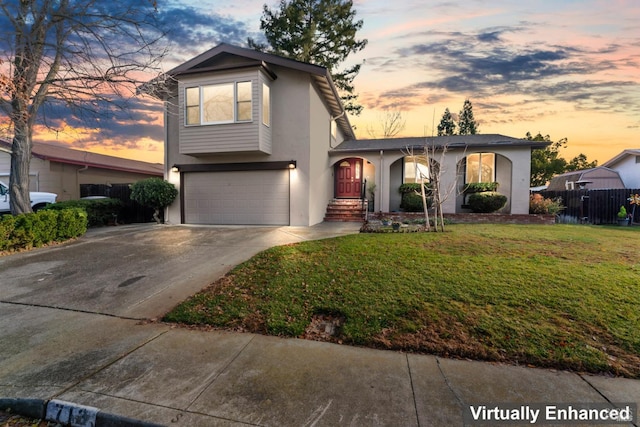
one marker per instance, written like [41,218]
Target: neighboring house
[254,138]
[627,164]
[62,170]
[598,178]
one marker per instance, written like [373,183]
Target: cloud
[485,63]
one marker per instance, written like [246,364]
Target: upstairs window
[217,104]
[480,168]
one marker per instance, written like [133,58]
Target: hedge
[486,202]
[30,230]
[99,211]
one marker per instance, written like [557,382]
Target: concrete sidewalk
[96,347]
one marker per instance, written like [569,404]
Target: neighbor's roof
[62,154]
[207,62]
[597,178]
[454,141]
[621,156]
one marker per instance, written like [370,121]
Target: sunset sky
[566,68]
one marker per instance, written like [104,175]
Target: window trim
[236,104]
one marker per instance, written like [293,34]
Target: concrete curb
[68,413]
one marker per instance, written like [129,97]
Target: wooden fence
[131,211]
[595,206]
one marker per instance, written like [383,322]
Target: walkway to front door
[348,175]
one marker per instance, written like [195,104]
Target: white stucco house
[627,164]
[254,138]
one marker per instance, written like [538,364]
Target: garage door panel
[248,197]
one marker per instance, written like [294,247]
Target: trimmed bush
[480,187]
[411,199]
[486,202]
[30,230]
[99,211]
[155,193]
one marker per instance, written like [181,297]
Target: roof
[600,177]
[62,154]
[205,63]
[621,156]
[453,141]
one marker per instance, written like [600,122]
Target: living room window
[480,167]
[416,170]
[218,104]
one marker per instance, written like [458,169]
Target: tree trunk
[19,177]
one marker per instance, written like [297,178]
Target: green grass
[560,296]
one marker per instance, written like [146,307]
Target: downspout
[82,169]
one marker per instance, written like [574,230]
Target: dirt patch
[325,327]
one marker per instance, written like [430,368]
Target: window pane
[488,162]
[217,103]
[415,170]
[244,101]
[192,106]
[266,105]
[193,115]
[193,96]
[473,168]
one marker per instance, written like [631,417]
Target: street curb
[43,410]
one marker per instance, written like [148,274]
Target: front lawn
[560,296]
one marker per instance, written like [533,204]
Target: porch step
[346,210]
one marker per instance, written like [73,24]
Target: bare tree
[390,122]
[432,186]
[73,54]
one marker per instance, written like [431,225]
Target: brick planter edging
[471,218]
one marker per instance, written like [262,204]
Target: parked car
[38,199]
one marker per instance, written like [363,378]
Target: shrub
[486,202]
[37,229]
[155,193]
[412,199]
[541,205]
[480,187]
[99,211]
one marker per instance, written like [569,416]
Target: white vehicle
[38,199]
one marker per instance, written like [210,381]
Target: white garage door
[247,197]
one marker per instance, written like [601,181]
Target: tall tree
[447,126]
[467,125]
[321,32]
[74,54]
[547,162]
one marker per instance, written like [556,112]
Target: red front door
[348,178]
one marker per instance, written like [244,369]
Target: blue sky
[564,68]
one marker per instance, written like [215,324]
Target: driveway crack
[73,310]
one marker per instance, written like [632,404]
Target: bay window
[219,103]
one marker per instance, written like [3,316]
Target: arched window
[416,169]
[480,167]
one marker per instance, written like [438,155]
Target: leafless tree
[390,123]
[72,54]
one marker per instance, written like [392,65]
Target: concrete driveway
[139,271]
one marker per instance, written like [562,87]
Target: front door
[348,178]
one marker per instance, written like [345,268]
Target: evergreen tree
[447,126]
[320,32]
[467,125]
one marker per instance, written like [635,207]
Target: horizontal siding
[222,138]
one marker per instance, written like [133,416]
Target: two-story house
[254,138]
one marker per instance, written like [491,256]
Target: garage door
[247,197]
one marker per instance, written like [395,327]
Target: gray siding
[224,138]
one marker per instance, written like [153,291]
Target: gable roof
[62,154]
[453,141]
[207,62]
[630,152]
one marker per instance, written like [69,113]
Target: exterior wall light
[292,164]
[175,168]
